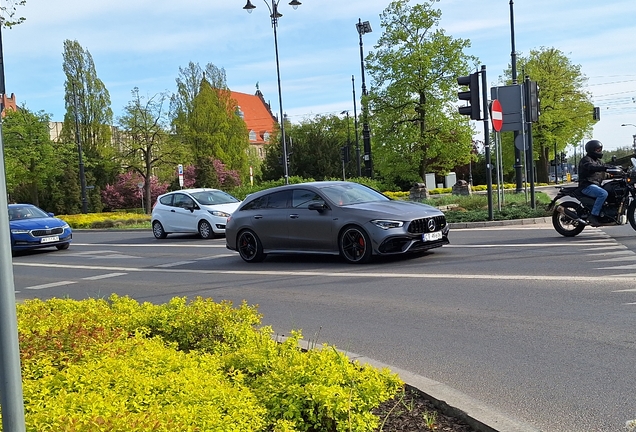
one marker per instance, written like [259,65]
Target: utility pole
[513,55]
[11,396]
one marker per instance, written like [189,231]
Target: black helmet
[594,148]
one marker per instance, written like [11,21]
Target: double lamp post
[275,15]
[363,28]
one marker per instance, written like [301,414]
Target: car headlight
[387,224]
[219,213]
[65,226]
[19,231]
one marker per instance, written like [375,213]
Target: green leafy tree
[31,159]
[314,152]
[144,140]
[205,119]
[8,16]
[566,110]
[416,126]
[87,101]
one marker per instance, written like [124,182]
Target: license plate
[432,236]
[49,239]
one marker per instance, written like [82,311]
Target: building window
[240,112]
[266,137]
[252,135]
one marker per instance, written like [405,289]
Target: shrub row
[118,365]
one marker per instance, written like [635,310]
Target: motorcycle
[571,209]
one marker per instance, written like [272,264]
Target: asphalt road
[534,325]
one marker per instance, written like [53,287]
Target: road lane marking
[50,285]
[174,264]
[209,257]
[383,275]
[518,245]
[154,245]
[104,276]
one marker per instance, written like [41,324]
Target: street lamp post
[633,136]
[363,28]
[355,122]
[274,15]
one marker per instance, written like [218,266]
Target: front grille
[47,232]
[419,226]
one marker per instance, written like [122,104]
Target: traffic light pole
[485,107]
[513,57]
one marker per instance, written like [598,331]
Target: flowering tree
[126,193]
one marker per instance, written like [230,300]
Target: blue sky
[142,43]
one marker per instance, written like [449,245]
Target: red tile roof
[257,115]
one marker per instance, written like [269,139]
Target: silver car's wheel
[250,247]
[158,231]
[205,230]
[355,246]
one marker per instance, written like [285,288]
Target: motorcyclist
[591,175]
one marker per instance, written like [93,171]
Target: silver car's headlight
[219,213]
[387,224]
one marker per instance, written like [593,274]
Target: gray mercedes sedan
[335,218]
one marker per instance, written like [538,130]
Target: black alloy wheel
[355,245]
[249,247]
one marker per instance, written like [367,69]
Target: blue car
[33,228]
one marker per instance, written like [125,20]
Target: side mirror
[614,159]
[317,206]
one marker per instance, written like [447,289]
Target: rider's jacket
[591,171]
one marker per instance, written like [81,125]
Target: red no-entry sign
[496,115]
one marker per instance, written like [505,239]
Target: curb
[446,399]
[484,224]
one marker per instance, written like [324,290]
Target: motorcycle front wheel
[564,224]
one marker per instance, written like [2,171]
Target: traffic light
[473,96]
[344,154]
[564,158]
[534,108]
[597,113]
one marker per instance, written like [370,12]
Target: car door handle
[293,216]
[173,211]
[258,217]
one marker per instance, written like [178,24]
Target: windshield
[353,193]
[26,212]
[214,197]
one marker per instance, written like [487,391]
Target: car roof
[193,190]
[14,205]
[316,184]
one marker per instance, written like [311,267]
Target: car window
[26,212]
[353,194]
[166,200]
[182,200]
[301,198]
[256,204]
[214,197]
[278,200]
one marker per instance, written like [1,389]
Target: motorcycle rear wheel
[631,214]
[563,224]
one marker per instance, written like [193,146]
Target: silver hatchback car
[203,211]
[332,217]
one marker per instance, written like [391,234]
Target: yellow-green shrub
[118,365]
[103,220]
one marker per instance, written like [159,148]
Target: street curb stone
[446,399]
[485,224]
